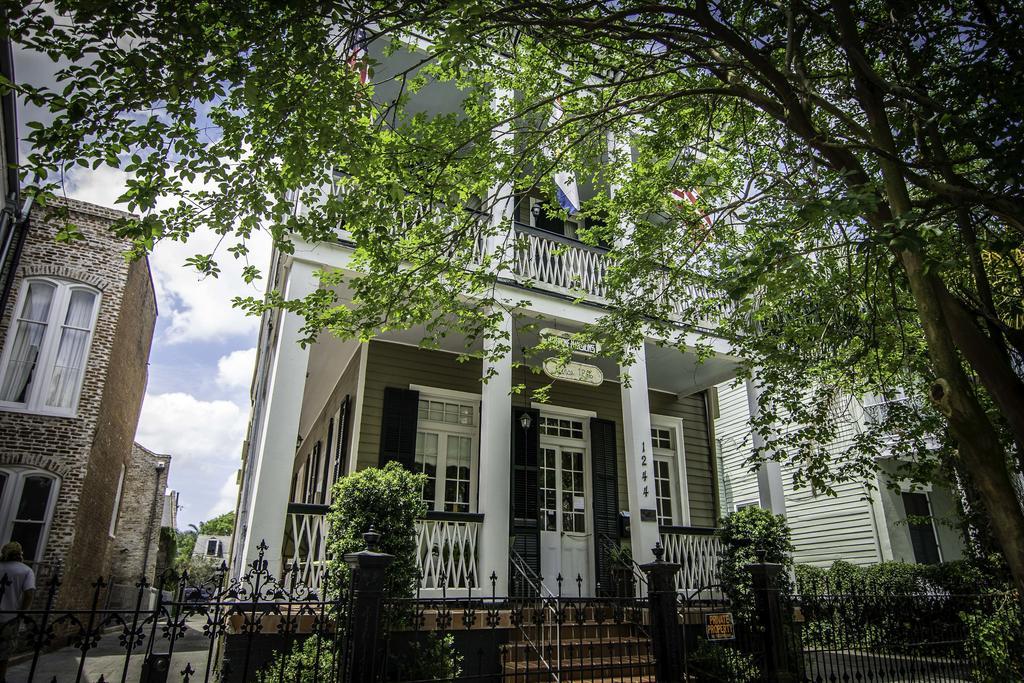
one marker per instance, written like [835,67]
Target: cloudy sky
[200,365]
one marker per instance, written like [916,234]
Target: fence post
[770,611]
[368,567]
[666,639]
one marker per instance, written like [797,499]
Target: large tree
[858,165]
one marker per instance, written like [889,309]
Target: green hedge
[946,609]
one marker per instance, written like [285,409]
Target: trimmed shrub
[389,501]
[748,536]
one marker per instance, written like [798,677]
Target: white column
[501,243]
[636,427]
[769,473]
[496,460]
[279,429]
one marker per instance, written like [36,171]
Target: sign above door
[571,371]
[583,347]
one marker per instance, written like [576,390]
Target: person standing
[17,586]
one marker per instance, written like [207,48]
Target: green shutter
[604,474]
[399,414]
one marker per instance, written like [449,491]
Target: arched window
[27,499]
[47,346]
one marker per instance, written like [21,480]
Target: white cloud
[197,308]
[227,499]
[197,434]
[234,371]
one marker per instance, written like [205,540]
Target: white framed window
[446,450]
[747,504]
[27,499]
[47,346]
[669,470]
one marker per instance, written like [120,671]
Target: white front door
[565,536]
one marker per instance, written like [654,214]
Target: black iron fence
[265,628]
[186,630]
[888,636]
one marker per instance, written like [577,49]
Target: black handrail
[308,509]
[443,516]
[613,550]
[693,530]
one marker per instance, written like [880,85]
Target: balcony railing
[446,548]
[696,550]
[306,543]
[446,551]
[562,264]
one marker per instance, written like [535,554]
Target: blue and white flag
[565,181]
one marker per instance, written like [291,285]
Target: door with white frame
[670,486]
[566,539]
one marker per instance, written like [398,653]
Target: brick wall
[138,521]
[86,451]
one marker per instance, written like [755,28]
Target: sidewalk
[107,660]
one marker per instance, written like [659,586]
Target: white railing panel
[561,266]
[309,542]
[446,554]
[697,555]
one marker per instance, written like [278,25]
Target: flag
[683,195]
[565,181]
[357,55]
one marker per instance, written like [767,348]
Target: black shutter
[340,448]
[605,475]
[525,445]
[525,488]
[922,536]
[398,426]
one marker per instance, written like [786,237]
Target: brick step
[598,668]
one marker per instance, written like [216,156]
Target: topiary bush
[388,500]
[748,536]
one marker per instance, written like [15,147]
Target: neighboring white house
[212,547]
[858,525]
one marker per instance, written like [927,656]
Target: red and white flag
[357,55]
[691,196]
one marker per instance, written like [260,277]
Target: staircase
[580,650]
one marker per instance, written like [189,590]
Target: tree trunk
[986,357]
[980,450]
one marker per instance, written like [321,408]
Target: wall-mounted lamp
[160,466]
[525,420]
[535,210]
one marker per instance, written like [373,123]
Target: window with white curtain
[47,346]
[27,498]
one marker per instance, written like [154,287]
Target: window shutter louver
[341,448]
[525,487]
[398,426]
[605,476]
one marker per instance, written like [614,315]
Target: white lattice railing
[446,551]
[306,543]
[696,551]
[560,264]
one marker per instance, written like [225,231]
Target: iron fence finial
[372,538]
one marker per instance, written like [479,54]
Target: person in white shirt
[17,586]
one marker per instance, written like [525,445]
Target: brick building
[76,334]
[135,547]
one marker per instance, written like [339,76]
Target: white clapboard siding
[825,528]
